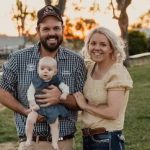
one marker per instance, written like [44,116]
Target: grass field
[137,121]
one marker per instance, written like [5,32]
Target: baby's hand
[34,107]
[63,96]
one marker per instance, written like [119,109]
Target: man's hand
[50,96]
[27,111]
[40,118]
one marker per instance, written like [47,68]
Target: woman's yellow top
[96,93]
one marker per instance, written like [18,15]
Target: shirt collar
[36,53]
[61,53]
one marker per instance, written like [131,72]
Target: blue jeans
[105,141]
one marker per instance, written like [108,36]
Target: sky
[135,9]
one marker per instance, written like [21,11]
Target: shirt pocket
[69,79]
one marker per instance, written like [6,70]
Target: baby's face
[46,71]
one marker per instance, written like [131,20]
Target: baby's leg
[31,120]
[55,134]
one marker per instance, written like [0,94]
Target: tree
[123,21]
[148,44]
[79,28]
[47,2]
[75,32]
[142,22]
[20,16]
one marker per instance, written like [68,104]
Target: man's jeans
[105,141]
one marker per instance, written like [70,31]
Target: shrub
[137,42]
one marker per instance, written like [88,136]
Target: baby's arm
[31,98]
[65,90]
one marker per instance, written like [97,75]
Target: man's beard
[52,47]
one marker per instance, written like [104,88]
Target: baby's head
[47,68]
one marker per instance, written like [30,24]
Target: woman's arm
[110,110]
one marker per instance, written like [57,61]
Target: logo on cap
[48,10]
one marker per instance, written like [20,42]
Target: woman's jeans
[105,141]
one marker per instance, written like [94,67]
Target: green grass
[7,127]
[137,121]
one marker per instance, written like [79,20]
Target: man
[21,68]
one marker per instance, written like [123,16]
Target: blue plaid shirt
[18,72]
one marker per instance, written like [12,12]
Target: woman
[106,92]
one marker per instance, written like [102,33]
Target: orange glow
[78,28]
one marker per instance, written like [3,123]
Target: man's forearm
[70,102]
[9,101]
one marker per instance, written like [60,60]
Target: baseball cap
[49,10]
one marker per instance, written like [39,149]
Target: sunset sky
[137,8]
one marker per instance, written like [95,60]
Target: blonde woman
[106,91]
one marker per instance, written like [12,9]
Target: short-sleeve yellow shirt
[96,93]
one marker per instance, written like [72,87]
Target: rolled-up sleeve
[80,76]
[9,77]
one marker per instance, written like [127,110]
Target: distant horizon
[141,29]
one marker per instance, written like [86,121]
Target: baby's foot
[55,146]
[28,143]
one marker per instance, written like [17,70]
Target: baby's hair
[48,60]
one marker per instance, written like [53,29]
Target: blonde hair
[48,60]
[116,44]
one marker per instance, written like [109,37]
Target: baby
[47,70]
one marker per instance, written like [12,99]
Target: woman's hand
[50,96]
[81,101]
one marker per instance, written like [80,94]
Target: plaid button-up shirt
[18,72]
